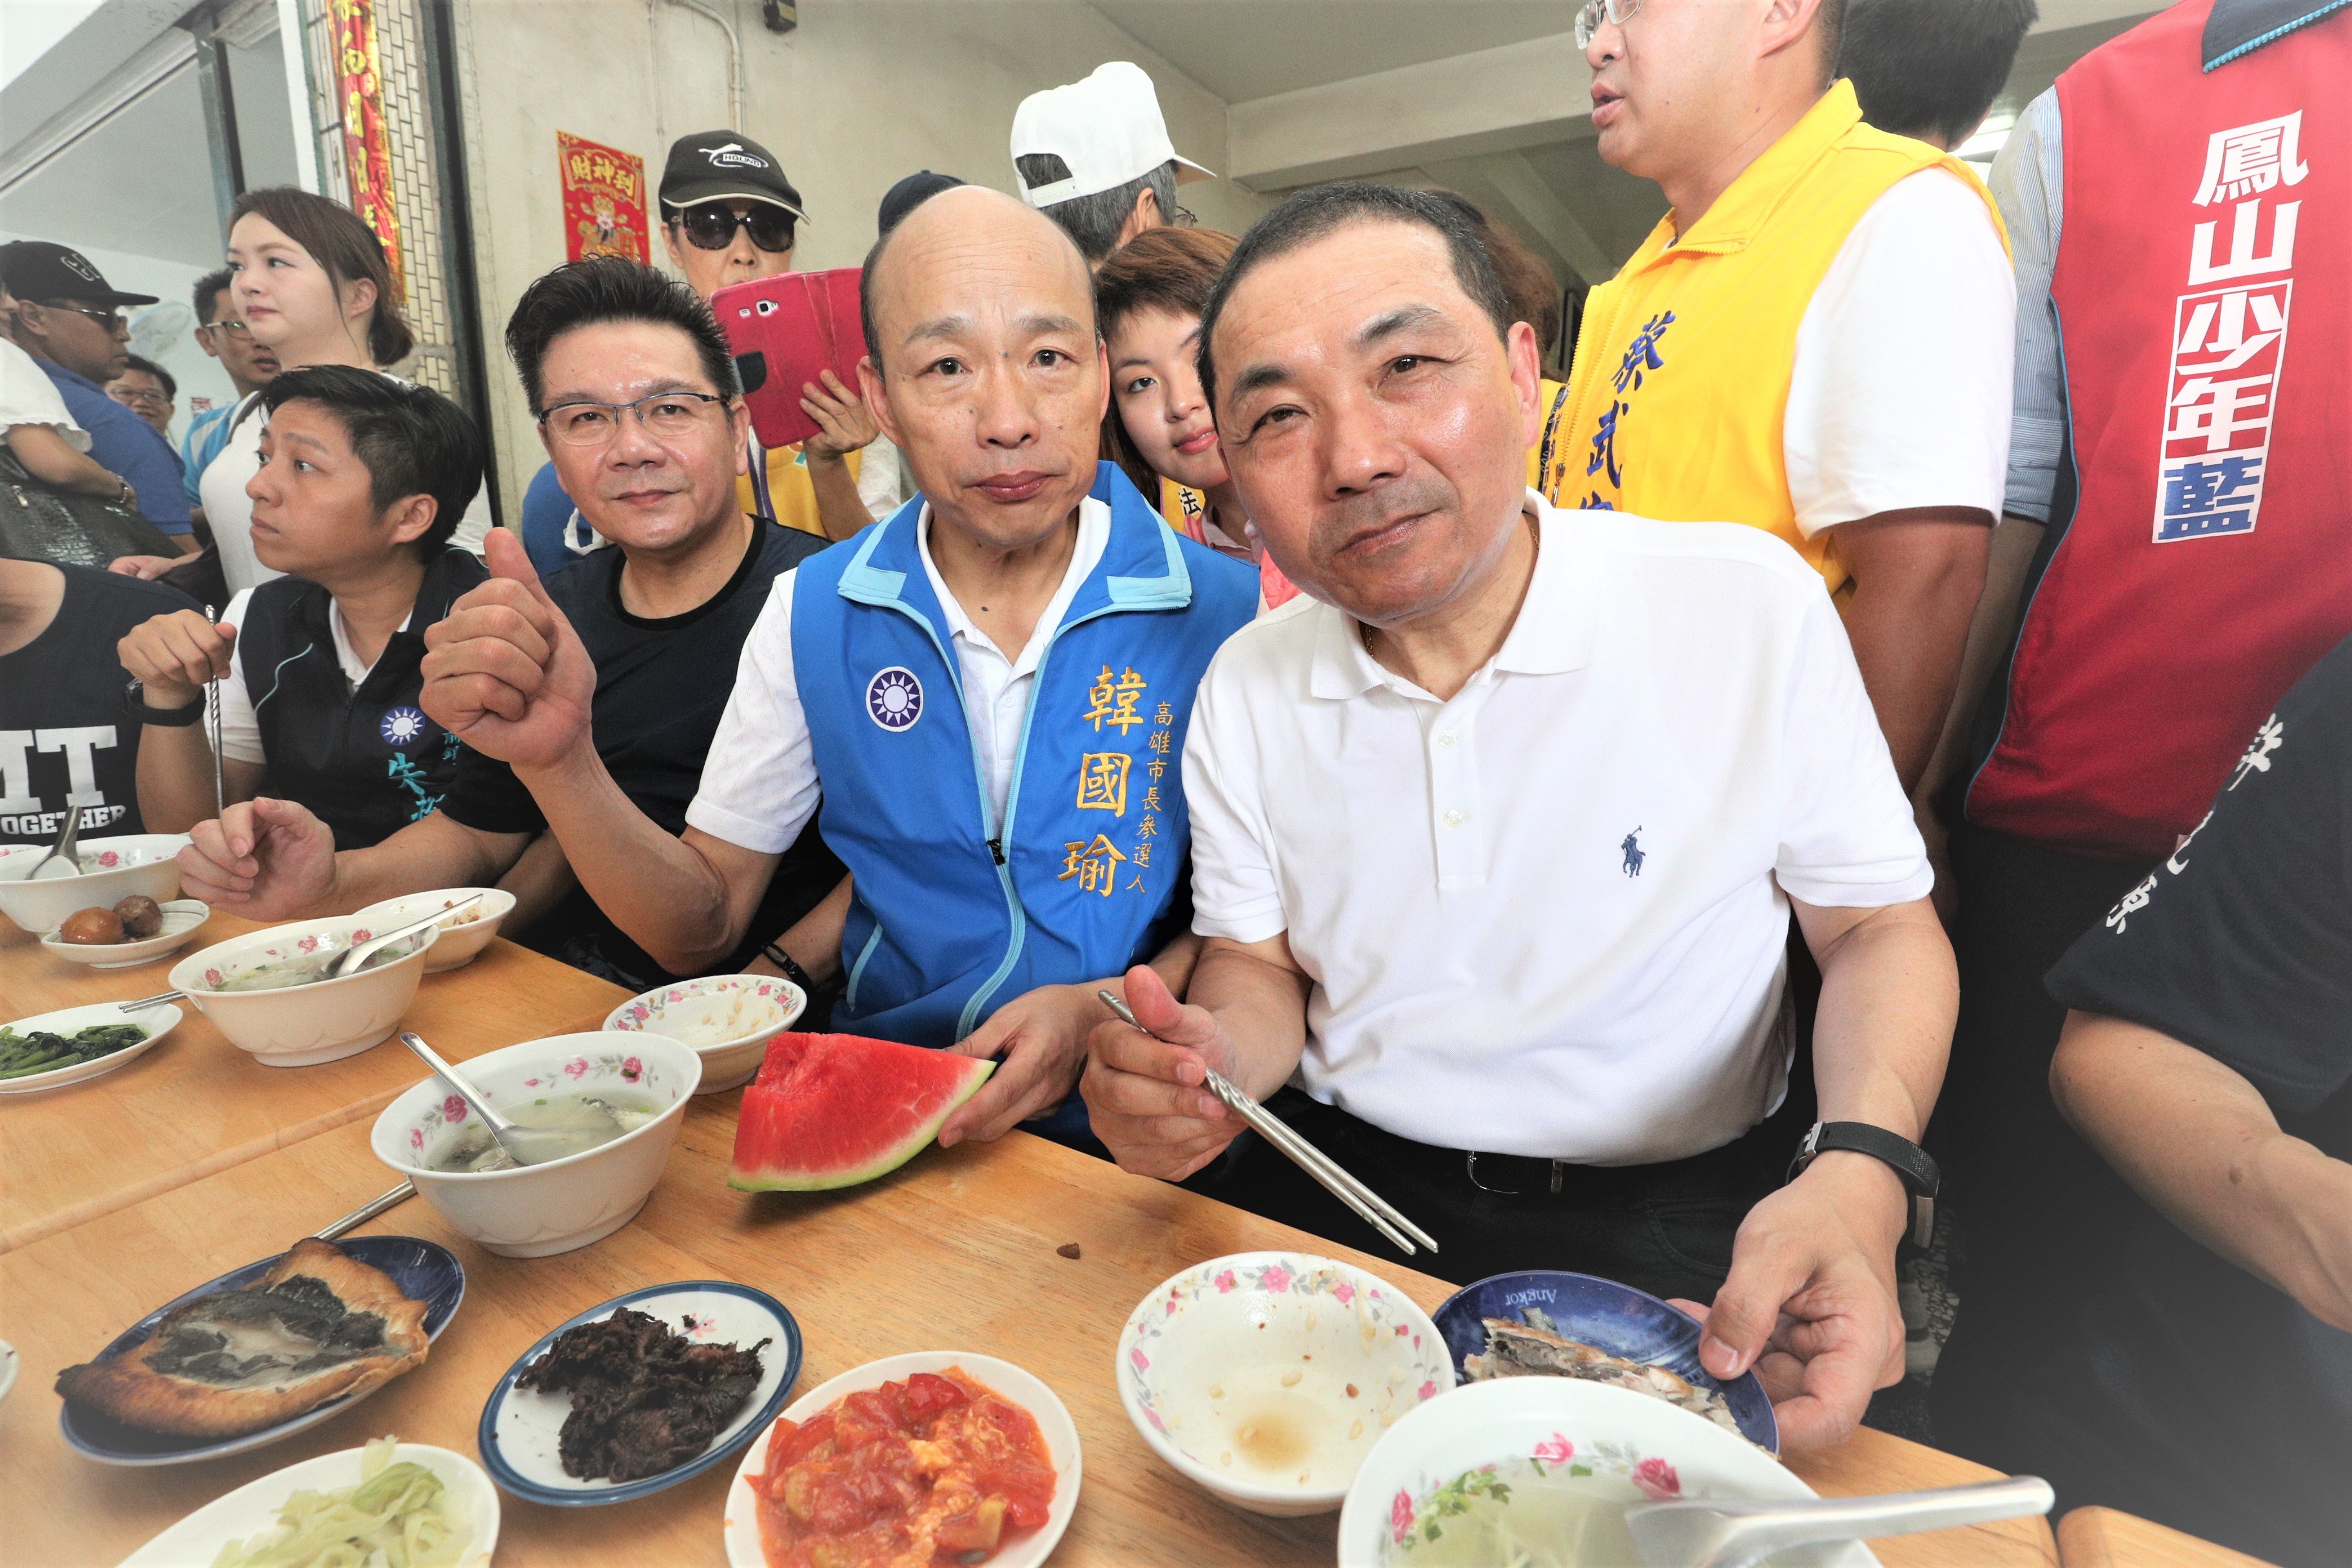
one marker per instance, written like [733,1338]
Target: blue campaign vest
[955,915]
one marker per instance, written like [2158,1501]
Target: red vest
[2204,296]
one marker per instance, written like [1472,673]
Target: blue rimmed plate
[1609,1316]
[520,1427]
[422,1272]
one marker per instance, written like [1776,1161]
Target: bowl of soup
[112,869]
[464,932]
[607,1110]
[266,990]
[1266,1377]
[1542,1471]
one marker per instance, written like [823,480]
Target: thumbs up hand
[505,672]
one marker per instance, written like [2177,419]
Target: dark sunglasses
[713,228]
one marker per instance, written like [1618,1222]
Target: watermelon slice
[833,1111]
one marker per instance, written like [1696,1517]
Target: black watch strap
[134,704]
[792,970]
[1917,1169]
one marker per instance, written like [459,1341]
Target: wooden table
[2108,1538]
[197,1104]
[955,1251]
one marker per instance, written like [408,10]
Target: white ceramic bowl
[133,863]
[1054,1424]
[252,1510]
[301,1025]
[537,1210]
[1434,1465]
[180,919]
[459,943]
[728,1019]
[1266,1377]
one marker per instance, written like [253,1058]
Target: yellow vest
[790,488]
[1680,384]
[1548,458]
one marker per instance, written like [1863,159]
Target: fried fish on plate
[1516,1350]
[321,1325]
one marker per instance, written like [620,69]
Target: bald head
[969,225]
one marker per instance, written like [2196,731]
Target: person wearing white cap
[1095,157]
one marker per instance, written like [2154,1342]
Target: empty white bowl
[1443,1464]
[460,941]
[729,1019]
[302,1026]
[133,863]
[1266,1377]
[532,1211]
[180,919]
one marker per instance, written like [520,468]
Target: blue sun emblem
[894,699]
[402,726]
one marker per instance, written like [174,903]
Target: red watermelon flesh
[833,1111]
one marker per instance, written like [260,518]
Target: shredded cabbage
[393,1518]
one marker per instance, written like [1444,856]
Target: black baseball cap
[909,193]
[719,166]
[38,271]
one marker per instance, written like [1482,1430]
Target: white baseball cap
[1108,129]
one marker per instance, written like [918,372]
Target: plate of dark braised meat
[641,1393]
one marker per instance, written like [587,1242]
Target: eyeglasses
[1616,13]
[144,397]
[110,319]
[712,227]
[667,416]
[228,328]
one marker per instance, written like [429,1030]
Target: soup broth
[575,1125]
[1549,1522]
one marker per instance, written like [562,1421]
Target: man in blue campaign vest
[987,692]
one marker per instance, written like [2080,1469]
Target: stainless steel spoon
[347,962]
[1739,1534]
[519,1145]
[63,849]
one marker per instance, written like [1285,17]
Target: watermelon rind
[918,1137]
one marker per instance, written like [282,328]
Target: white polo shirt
[1548,917]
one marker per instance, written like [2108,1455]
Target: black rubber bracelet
[792,970]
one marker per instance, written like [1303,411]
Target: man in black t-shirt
[63,730]
[2207,1057]
[662,619]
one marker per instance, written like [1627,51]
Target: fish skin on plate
[1521,1350]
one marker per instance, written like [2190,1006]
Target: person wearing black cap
[730,215]
[68,318]
[907,195]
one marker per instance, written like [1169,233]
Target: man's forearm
[839,508]
[2201,1144]
[1890,994]
[1991,630]
[1907,636]
[657,888]
[435,852]
[175,776]
[1262,1006]
[539,879]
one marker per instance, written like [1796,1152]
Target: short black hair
[207,293]
[1095,221]
[1304,217]
[412,440]
[1931,69]
[140,362]
[611,289]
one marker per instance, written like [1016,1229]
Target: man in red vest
[2179,533]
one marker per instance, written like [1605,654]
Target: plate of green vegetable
[66,1047]
[412,1503]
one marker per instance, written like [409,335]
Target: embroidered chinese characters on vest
[2228,342]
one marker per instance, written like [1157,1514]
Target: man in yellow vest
[1815,340]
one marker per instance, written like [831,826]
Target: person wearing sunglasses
[69,319]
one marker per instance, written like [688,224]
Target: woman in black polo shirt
[362,481]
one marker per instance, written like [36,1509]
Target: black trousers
[2041,1214]
[1665,1229]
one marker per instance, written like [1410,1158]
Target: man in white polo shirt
[1496,837]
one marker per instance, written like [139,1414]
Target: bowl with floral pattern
[463,935]
[1541,1470]
[245,985]
[112,869]
[533,1211]
[1266,1377]
[729,1019]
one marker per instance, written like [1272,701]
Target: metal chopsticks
[1376,1211]
[213,722]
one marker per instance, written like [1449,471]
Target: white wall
[864,92]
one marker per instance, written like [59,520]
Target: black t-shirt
[2240,945]
[62,726]
[661,687]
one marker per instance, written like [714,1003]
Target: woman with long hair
[1148,302]
[312,285]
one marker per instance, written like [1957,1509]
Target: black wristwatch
[792,970]
[134,704]
[1913,1163]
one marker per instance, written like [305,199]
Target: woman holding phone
[1148,302]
